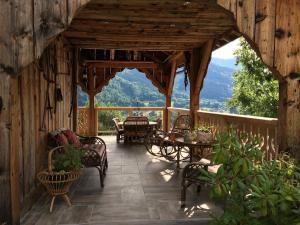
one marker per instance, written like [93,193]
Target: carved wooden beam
[121,64]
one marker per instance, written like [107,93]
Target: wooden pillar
[75,53]
[92,112]
[9,154]
[172,73]
[200,59]
[15,145]
[92,115]
[289,117]
[166,119]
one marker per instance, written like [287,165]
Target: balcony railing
[266,128]
[105,114]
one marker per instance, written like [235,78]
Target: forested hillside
[132,88]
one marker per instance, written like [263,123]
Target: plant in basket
[64,164]
[69,159]
[204,134]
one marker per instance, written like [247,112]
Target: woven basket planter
[57,183]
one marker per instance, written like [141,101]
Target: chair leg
[52,203]
[67,200]
[101,176]
[183,194]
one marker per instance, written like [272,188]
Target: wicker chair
[119,129]
[191,174]
[159,144]
[136,128]
[94,149]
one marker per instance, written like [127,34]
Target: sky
[226,52]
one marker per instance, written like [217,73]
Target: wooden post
[15,144]
[289,117]
[92,114]
[166,118]
[200,59]
[74,84]
[10,146]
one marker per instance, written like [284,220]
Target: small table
[179,144]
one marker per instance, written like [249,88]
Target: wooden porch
[50,47]
[139,189]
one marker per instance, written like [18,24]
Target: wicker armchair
[191,174]
[160,143]
[95,154]
[119,129]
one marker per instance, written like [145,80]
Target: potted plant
[255,191]
[64,164]
[204,134]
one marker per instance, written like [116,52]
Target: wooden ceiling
[162,25]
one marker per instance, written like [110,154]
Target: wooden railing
[83,116]
[266,128]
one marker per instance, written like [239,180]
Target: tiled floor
[139,189]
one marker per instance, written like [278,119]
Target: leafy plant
[256,91]
[68,160]
[254,191]
[205,129]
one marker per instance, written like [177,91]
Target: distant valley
[132,88]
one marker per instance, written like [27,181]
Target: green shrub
[253,190]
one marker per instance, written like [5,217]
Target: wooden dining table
[151,124]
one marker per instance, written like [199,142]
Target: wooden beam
[172,79]
[121,64]
[205,59]
[154,58]
[200,59]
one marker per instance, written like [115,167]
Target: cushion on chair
[98,148]
[61,139]
[212,169]
[72,138]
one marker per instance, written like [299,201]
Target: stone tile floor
[139,189]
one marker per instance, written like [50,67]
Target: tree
[255,92]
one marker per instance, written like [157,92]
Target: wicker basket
[57,183]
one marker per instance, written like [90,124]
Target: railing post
[97,122]
[169,119]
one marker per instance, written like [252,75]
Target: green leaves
[255,92]
[68,160]
[256,191]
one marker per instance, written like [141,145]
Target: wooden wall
[272,27]
[21,126]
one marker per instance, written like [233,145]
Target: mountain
[132,88]
[229,63]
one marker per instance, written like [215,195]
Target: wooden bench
[95,154]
